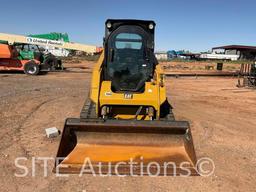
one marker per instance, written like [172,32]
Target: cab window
[128,41]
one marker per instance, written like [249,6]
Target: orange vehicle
[22,57]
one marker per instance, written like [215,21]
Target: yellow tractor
[127,116]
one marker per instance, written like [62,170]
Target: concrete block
[52,132]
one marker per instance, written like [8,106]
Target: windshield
[128,41]
[127,64]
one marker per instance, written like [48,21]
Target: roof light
[109,25]
[151,26]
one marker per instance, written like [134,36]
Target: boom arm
[11,39]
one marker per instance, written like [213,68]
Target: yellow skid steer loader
[127,117]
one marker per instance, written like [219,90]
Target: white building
[161,55]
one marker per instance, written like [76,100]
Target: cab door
[26,53]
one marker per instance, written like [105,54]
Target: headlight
[151,26]
[109,25]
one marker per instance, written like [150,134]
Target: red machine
[10,59]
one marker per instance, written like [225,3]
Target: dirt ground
[222,118]
[197,65]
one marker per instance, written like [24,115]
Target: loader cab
[29,52]
[129,54]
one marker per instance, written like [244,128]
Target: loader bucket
[111,146]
